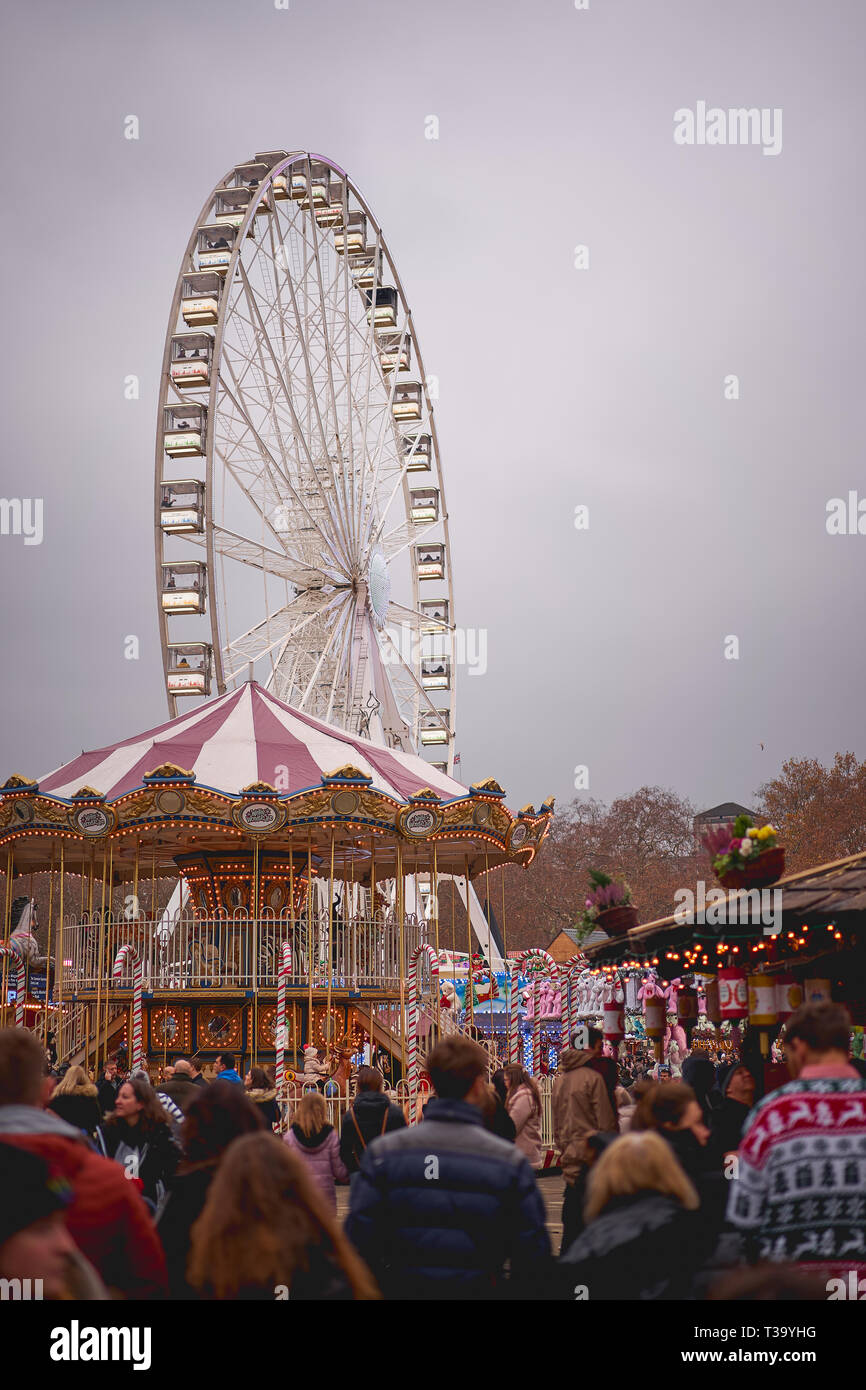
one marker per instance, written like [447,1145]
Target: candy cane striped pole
[413,1015]
[537,957]
[20,981]
[512,1032]
[280,1039]
[128,952]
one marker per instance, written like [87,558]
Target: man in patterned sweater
[800,1193]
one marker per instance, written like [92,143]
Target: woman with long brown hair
[263,1094]
[266,1233]
[220,1114]
[524,1107]
[137,1134]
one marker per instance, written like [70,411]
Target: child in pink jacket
[317,1145]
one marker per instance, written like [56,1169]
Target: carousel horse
[22,940]
[205,964]
[340,1070]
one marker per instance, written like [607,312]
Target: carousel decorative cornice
[17,783]
[169,772]
[86,793]
[489,787]
[259,789]
[425,794]
[347,773]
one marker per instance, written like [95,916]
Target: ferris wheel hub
[379,586]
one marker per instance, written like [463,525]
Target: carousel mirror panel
[169,1029]
[218,1027]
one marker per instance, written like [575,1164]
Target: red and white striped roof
[246,736]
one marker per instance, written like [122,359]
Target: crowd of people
[687,1187]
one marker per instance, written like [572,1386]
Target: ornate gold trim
[170,772]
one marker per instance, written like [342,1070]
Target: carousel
[260,875]
[296,918]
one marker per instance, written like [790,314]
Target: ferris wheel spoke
[325,650]
[341,666]
[405,669]
[302,337]
[278,563]
[350,424]
[379,452]
[367,368]
[279,373]
[412,616]
[258,641]
[273,416]
[326,336]
[400,539]
[267,458]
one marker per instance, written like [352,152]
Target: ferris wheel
[301,526]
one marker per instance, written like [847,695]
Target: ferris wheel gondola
[301,523]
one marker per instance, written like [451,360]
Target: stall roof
[825,891]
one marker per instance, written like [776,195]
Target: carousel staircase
[387,1040]
[79,1043]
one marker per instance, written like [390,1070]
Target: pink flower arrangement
[605,893]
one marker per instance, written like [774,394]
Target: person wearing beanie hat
[36,1249]
[699,1073]
[736,1087]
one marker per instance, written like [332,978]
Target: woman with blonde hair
[76,1100]
[642,1238]
[266,1233]
[317,1145]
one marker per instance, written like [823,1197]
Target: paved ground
[551,1191]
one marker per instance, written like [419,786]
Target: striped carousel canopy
[243,737]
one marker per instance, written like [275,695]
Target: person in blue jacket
[225,1068]
[444,1209]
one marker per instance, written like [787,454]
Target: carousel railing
[340,1099]
[235,951]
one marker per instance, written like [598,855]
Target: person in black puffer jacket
[699,1073]
[733,1099]
[75,1100]
[673,1111]
[441,1207]
[642,1237]
[371,1115]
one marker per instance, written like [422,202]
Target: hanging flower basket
[762,870]
[745,855]
[616,921]
[608,906]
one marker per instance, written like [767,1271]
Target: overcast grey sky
[558,386]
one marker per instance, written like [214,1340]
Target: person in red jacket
[107,1217]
